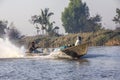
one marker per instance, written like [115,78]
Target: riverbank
[100,38]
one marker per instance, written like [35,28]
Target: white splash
[8,50]
[59,54]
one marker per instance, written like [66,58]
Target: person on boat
[69,45]
[78,41]
[32,47]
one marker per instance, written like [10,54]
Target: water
[100,63]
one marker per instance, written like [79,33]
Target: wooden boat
[73,52]
[76,51]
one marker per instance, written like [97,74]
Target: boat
[76,51]
[37,53]
[73,52]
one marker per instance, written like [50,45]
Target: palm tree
[43,19]
[38,29]
[45,16]
[51,29]
[35,21]
[56,29]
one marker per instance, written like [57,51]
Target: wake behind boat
[36,54]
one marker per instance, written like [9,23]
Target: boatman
[32,47]
[78,41]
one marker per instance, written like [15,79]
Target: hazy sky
[106,8]
[20,11]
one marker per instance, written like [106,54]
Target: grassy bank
[100,38]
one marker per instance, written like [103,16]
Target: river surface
[100,63]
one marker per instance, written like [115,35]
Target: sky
[20,12]
[107,10]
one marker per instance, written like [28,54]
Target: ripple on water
[96,65]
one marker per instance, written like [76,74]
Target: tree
[93,24]
[56,29]
[117,17]
[76,18]
[3,26]
[43,19]
[35,20]
[13,33]
[52,30]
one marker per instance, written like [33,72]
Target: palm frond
[50,14]
[46,11]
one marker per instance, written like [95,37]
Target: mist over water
[8,50]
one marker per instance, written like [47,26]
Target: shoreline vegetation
[76,21]
[99,38]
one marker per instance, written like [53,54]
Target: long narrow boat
[76,51]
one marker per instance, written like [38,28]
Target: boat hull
[76,51]
[36,54]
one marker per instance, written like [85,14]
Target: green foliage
[52,31]
[101,40]
[14,34]
[3,26]
[44,20]
[76,18]
[117,17]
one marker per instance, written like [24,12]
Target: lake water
[100,63]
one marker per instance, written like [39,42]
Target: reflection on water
[100,63]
